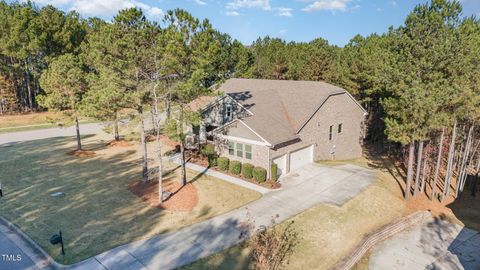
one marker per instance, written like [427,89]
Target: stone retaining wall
[378,236]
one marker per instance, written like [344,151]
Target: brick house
[290,123]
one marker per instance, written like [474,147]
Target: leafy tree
[65,84]
[106,97]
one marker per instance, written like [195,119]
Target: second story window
[228,112]
[330,133]
[340,128]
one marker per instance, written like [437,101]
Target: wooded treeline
[419,82]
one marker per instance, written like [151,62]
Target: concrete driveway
[435,244]
[314,185]
[332,184]
[305,188]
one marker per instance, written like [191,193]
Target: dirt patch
[81,153]
[120,143]
[183,198]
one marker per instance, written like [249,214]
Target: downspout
[269,170]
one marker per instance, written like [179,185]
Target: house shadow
[243,97]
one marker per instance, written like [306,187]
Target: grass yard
[32,121]
[326,233]
[98,212]
[16,120]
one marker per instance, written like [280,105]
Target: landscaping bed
[119,143]
[183,198]
[203,161]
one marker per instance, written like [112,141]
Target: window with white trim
[239,150]
[330,133]
[231,148]
[228,112]
[248,151]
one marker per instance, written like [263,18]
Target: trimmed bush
[212,160]
[247,170]
[207,150]
[260,174]
[235,167]
[223,163]
[274,171]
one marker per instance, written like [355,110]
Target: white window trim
[228,148]
[228,110]
[245,151]
[237,150]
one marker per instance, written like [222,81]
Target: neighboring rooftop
[285,105]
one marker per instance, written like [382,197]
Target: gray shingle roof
[280,108]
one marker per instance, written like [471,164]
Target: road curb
[49,260]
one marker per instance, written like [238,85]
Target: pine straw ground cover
[328,233]
[98,211]
[183,198]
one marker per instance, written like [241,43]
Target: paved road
[18,254]
[85,129]
[435,244]
[167,251]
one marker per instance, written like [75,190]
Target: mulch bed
[199,161]
[121,143]
[183,198]
[165,140]
[81,153]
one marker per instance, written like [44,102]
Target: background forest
[420,82]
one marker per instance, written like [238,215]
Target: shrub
[247,170]
[223,163]
[212,160]
[207,150]
[272,247]
[235,167]
[274,171]
[260,174]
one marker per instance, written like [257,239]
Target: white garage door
[301,157]
[281,164]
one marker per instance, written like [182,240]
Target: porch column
[203,133]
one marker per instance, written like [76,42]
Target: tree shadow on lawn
[97,212]
[203,241]
[380,160]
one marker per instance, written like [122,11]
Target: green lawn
[27,128]
[98,212]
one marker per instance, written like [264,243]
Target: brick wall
[338,109]
[378,236]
